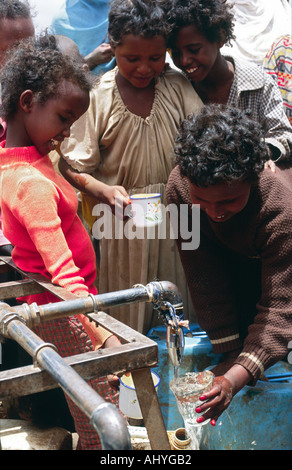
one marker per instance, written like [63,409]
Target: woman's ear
[26,100]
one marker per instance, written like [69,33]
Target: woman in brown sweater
[240,276]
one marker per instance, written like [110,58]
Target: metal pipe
[163,294]
[103,417]
[155,292]
[16,323]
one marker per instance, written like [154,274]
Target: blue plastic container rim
[133,388]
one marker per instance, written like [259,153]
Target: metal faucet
[174,335]
[175,344]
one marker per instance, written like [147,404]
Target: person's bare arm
[100,55]
[114,196]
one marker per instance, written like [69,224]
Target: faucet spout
[174,335]
[175,344]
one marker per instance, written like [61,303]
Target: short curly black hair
[220,144]
[211,17]
[12,9]
[137,17]
[36,64]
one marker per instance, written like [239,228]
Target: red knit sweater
[241,273]
[39,211]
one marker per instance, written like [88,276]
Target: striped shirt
[255,90]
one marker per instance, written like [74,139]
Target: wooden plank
[150,409]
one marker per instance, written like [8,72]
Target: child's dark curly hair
[12,9]
[137,17]
[36,65]
[220,144]
[211,17]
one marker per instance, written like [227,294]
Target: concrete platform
[23,435]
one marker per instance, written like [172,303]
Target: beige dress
[121,148]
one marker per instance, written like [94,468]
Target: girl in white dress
[123,145]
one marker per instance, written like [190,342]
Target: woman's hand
[222,392]
[218,399]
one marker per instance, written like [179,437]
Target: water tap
[174,336]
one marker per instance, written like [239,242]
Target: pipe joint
[111,427]
[28,314]
[34,313]
[5,318]
[166,299]
[95,304]
[38,349]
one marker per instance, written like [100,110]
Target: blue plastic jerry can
[258,417]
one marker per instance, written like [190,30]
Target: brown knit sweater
[240,276]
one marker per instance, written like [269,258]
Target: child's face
[193,53]
[49,123]
[141,59]
[221,201]
[12,31]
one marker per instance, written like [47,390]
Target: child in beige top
[123,145]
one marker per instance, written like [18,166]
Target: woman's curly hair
[220,144]
[35,64]
[211,17]
[140,18]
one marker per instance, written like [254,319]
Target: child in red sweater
[44,92]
